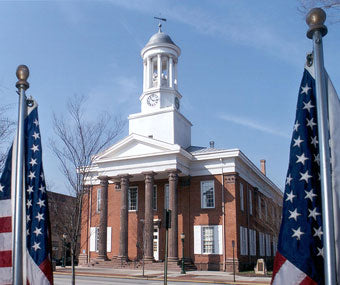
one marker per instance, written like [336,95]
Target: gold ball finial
[315,20]
[22,74]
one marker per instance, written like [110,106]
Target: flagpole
[315,20]
[22,85]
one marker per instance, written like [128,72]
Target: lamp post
[182,267]
[64,243]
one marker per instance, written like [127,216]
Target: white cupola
[160,58]
[160,115]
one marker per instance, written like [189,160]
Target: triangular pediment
[135,146]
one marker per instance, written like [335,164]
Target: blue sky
[239,71]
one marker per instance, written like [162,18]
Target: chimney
[212,144]
[263,166]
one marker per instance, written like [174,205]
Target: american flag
[38,259]
[6,223]
[299,257]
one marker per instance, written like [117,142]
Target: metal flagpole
[22,85]
[315,20]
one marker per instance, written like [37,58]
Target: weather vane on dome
[160,23]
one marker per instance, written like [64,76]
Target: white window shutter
[241,240]
[108,244]
[254,241]
[93,239]
[246,240]
[220,242]
[197,240]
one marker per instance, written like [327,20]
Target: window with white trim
[166,196]
[241,197]
[154,198]
[252,242]
[208,239]
[243,240]
[99,199]
[207,194]
[262,244]
[133,199]
[259,210]
[268,245]
[250,202]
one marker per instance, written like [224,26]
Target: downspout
[223,218]
[89,227]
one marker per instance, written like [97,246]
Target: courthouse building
[218,197]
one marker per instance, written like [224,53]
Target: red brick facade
[190,214]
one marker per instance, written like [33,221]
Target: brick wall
[190,213]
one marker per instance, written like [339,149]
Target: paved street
[66,279]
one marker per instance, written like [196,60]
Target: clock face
[152,100]
[176,103]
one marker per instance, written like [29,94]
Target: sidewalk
[218,277]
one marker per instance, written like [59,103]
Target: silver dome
[160,38]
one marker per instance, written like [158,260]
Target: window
[241,197]
[207,194]
[261,242]
[259,206]
[154,198]
[252,242]
[166,196]
[268,246]
[133,199]
[250,202]
[99,199]
[265,210]
[208,239]
[243,241]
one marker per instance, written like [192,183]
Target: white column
[159,70]
[144,75]
[175,80]
[149,72]
[171,72]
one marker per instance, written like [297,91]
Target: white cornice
[160,89]
[159,111]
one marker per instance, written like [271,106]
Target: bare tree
[6,129]
[77,141]
[331,6]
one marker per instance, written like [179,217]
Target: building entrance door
[156,242]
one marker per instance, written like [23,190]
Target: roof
[200,149]
[160,38]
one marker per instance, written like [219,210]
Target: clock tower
[160,116]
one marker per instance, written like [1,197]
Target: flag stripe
[5,208]
[34,273]
[279,261]
[5,224]
[5,275]
[5,241]
[288,274]
[6,258]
